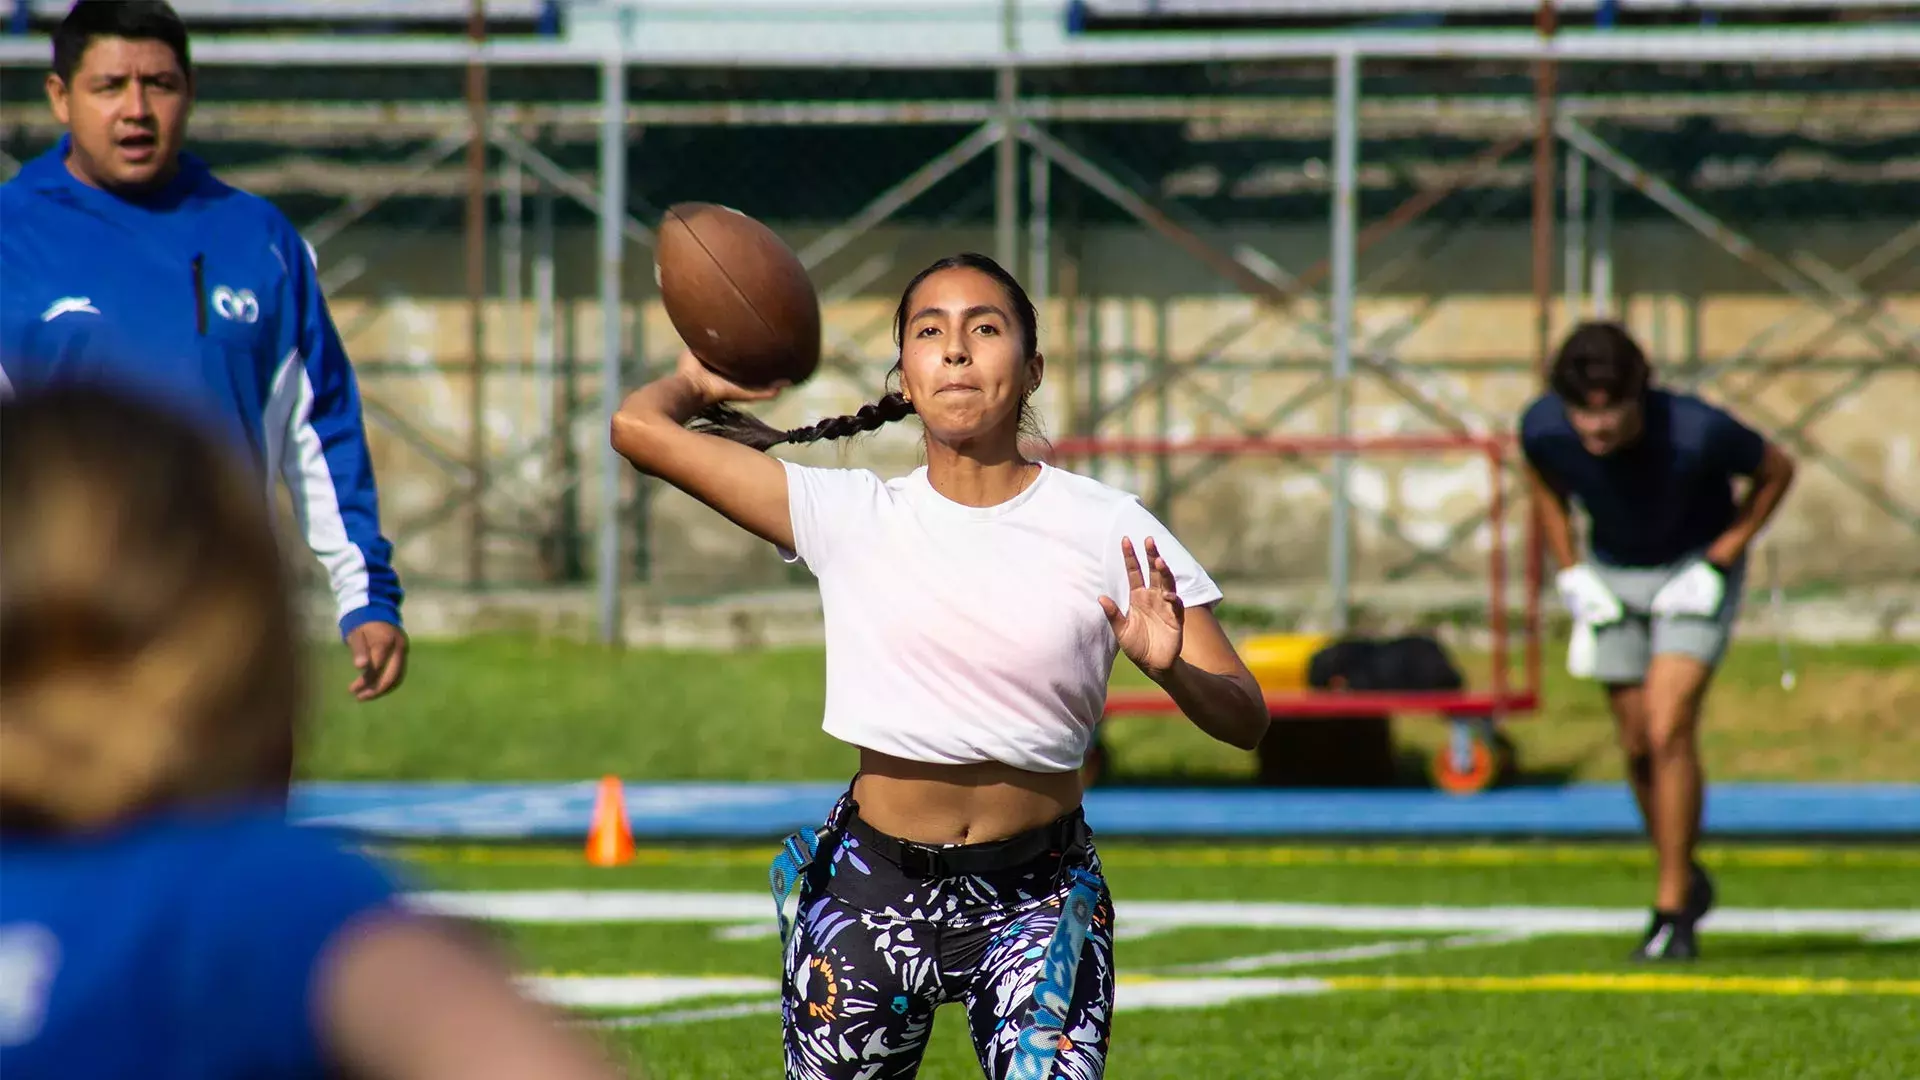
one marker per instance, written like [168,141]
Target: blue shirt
[180,948]
[1664,497]
[203,297]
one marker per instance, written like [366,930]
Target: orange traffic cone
[609,837]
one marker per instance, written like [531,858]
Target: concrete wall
[1692,305]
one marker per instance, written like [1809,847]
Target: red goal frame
[1500,701]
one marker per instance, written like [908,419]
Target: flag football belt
[1034,1048]
[929,861]
[1039,1039]
[789,869]
[801,849]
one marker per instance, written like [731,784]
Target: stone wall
[1256,521]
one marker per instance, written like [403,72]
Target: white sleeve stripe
[294,451]
[277,422]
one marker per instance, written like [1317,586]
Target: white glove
[1582,650]
[1586,597]
[1696,591]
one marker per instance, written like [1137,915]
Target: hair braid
[746,429]
[730,423]
[869,417]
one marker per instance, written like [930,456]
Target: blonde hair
[148,652]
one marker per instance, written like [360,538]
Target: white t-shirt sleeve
[1135,522]
[829,508]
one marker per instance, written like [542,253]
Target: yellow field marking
[1650,983]
[1500,855]
[1129,855]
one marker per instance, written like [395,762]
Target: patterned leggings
[875,950]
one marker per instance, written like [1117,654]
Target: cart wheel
[1475,759]
[1094,764]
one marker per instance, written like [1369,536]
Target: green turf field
[1505,999]
[1322,1003]
[511,708]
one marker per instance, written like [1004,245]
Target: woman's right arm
[404,998]
[745,485]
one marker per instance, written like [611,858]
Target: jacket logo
[239,306]
[29,959]
[69,305]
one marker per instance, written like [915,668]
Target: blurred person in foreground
[1655,598]
[160,917]
[125,262]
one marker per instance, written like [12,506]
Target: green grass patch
[656,948]
[1570,1007]
[1407,1037]
[1411,1036]
[516,708]
[1139,871]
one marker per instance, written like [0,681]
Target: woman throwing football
[973,609]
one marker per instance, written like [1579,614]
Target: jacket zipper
[200,294]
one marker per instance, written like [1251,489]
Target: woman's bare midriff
[959,804]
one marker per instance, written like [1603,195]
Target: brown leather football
[737,295]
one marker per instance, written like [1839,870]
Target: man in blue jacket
[124,261]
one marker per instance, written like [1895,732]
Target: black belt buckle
[919,861]
[927,862]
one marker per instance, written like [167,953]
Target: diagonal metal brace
[1249,282]
[580,191]
[1735,243]
[1373,355]
[421,163]
[891,201]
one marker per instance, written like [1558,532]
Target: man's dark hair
[1599,357]
[730,423]
[135,20]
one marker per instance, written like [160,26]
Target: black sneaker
[1700,893]
[1669,937]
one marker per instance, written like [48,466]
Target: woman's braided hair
[747,429]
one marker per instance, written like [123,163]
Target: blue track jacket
[204,297]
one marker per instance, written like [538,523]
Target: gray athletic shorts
[1622,649]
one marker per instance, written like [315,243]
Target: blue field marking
[561,810]
[747,811]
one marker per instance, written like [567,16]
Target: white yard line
[1136,993]
[684,1016]
[1352,953]
[599,906]
[1203,993]
[639,991]
[1537,920]
[646,991]
[744,909]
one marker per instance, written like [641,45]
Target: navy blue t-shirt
[1661,499]
[180,948]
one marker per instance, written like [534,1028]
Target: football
[737,295]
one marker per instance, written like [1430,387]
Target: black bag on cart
[1412,663]
[1353,751]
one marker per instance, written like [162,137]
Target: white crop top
[960,634]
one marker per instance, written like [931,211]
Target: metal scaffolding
[526,149]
